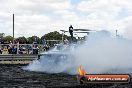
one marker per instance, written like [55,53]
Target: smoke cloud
[100,53]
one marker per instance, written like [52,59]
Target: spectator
[71,31]
[35,50]
[10,50]
[14,50]
[44,42]
[35,41]
[5,50]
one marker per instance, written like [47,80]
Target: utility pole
[13,28]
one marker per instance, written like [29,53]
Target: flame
[81,71]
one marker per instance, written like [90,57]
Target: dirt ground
[16,77]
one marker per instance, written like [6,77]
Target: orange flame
[81,71]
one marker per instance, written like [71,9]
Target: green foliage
[22,40]
[49,36]
[52,36]
[7,39]
[33,38]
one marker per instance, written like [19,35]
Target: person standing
[71,31]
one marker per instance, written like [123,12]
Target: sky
[38,17]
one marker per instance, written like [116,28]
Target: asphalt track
[16,77]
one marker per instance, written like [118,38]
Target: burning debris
[81,71]
[82,77]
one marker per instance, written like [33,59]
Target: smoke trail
[55,61]
[99,53]
[102,53]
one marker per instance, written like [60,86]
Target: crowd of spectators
[4,49]
[26,48]
[22,49]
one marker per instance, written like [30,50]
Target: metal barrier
[25,53]
[17,59]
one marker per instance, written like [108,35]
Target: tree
[33,38]
[52,36]
[55,36]
[22,40]
[7,39]
[2,35]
